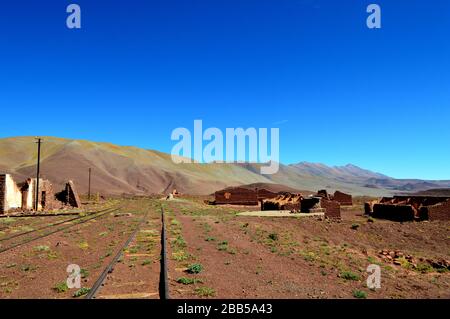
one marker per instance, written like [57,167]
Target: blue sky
[339,92]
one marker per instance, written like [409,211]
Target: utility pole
[89,188]
[36,202]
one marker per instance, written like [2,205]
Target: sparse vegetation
[81,292]
[348,275]
[61,287]
[83,245]
[194,268]
[84,273]
[205,292]
[359,294]
[180,255]
[179,242]
[188,281]
[222,245]
[146,262]
[41,248]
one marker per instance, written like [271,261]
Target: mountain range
[131,170]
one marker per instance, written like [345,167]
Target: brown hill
[126,169]
[276,188]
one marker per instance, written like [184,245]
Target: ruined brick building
[236,196]
[409,208]
[21,196]
[242,196]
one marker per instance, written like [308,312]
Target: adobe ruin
[297,203]
[287,201]
[21,196]
[409,208]
[342,198]
[236,196]
[242,196]
[69,196]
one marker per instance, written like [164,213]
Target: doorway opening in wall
[43,195]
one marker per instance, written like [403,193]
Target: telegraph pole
[36,203]
[89,188]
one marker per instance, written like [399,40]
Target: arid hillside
[124,169]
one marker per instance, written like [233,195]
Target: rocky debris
[399,258]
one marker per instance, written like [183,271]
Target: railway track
[163,278]
[55,224]
[77,221]
[110,267]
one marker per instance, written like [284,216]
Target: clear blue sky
[339,92]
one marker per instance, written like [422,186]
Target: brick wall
[332,208]
[342,198]
[72,195]
[439,211]
[309,203]
[291,202]
[2,193]
[236,196]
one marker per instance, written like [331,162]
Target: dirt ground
[215,253]
[275,257]
[39,269]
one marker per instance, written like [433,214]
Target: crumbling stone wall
[332,208]
[46,195]
[10,195]
[28,194]
[407,208]
[69,196]
[72,195]
[342,198]
[291,202]
[2,193]
[439,211]
[309,203]
[236,196]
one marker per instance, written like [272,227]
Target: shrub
[273,236]
[424,268]
[348,275]
[146,262]
[84,273]
[179,241]
[180,255]
[83,245]
[195,268]
[188,281]
[61,287]
[81,292]
[359,294]
[41,248]
[223,246]
[205,292]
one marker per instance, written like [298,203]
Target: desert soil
[213,252]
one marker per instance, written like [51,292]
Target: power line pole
[36,203]
[89,188]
